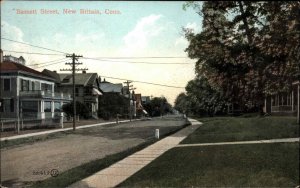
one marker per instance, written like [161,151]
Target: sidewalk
[282,140]
[120,171]
[60,130]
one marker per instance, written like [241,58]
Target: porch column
[52,109]
[42,110]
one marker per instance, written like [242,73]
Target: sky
[121,30]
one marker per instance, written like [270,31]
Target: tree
[158,106]
[204,98]
[182,103]
[111,104]
[247,49]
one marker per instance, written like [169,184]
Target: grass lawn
[225,129]
[253,165]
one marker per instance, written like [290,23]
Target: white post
[157,133]
[62,120]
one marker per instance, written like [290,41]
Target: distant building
[107,87]
[146,99]
[10,58]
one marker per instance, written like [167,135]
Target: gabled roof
[52,74]
[12,67]
[107,87]
[85,79]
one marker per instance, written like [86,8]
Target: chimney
[83,72]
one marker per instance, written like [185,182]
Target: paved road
[24,163]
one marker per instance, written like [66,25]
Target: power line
[143,82]
[141,57]
[33,45]
[47,62]
[137,62]
[35,53]
[51,64]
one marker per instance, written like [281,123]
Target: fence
[12,124]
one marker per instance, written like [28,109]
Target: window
[12,107]
[8,105]
[32,86]
[24,85]
[46,87]
[76,91]
[47,106]
[7,84]
[1,105]
[30,106]
[57,107]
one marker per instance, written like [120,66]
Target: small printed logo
[54,173]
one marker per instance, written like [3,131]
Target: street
[33,162]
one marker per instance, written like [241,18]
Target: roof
[12,67]
[52,74]
[85,79]
[107,87]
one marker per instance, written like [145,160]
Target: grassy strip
[226,129]
[78,173]
[255,165]
[32,139]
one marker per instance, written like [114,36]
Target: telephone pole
[129,107]
[74,59]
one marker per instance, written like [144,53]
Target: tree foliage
[158,106]
[111,104]
[81,109]
[247,50]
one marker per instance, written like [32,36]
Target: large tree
[247,49]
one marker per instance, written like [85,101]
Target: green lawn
[253,165]
[259,165]
[225,129]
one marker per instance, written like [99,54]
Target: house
[87,88]
[107,87]
[284,103]
[28,94]
[145,100]
[139,105]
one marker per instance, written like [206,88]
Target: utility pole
[129,107]
[74,59]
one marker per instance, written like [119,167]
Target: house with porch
[284,103]
[87,88]
[28,94]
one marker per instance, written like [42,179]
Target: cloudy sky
[133,29]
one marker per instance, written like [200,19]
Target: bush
[81,109]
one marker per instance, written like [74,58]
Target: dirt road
[33,162]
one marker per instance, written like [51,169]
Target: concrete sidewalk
[282,140]
[120,171]
[60,130]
